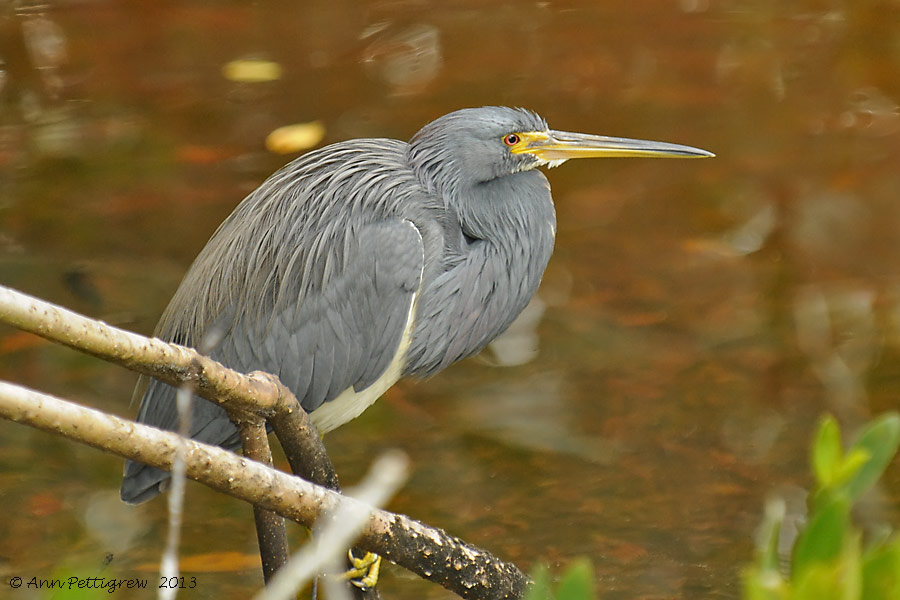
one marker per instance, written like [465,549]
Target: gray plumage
[362,262]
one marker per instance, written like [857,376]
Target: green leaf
[827,451]
[577,582]
[823,538]
[881,572]
[827,561]
[820,582]
[763,584]
[849,468]
[851,565]
[540,575]
[837,579]
[768,559]
[880,440]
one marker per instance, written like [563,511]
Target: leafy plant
[830,559]
[577,583]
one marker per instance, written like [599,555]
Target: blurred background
[695,321]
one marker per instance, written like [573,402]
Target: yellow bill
[557,146]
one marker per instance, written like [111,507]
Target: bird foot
[365,571]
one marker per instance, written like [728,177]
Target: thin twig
[169,563]
[335,532]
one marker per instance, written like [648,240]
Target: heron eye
[511,140]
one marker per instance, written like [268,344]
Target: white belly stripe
[350,403]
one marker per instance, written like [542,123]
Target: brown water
[697,317]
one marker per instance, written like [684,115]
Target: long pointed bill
[557,146]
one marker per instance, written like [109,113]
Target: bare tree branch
[270,531]
[257,393]
[431,553]
[245,397]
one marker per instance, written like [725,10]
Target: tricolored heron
[370,260]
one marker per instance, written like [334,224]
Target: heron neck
[510,226]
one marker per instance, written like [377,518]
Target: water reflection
[520,343]
[836,329]
[756,216]
[871,112]
[693,322]
[33,51]
[406,58]
[112,524]
[751,432]
[830,226]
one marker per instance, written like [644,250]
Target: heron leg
[365,571]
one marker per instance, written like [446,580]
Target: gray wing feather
[327,345]
[305,295]
[357,339]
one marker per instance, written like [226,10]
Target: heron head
[475,145]
[467,146]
